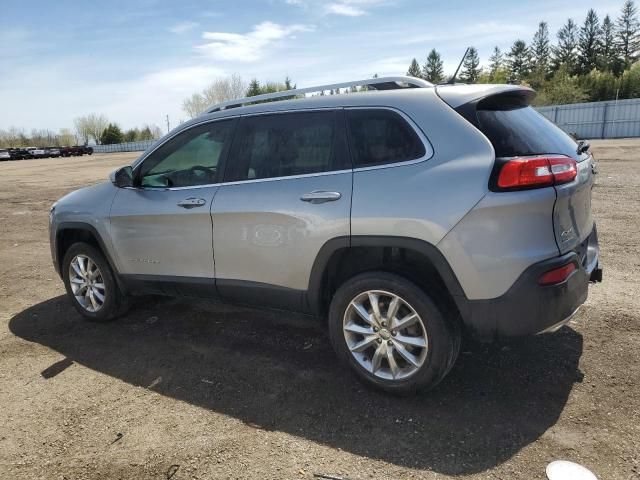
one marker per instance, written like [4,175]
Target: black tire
[442,331]
[115,303]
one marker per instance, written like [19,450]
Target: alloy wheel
[385,335]
[87,283]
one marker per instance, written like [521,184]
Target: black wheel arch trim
[436,258]
[61,227]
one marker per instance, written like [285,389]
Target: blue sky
[136,60]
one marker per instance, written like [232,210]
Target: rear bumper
[528,308]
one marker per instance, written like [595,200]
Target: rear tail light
[557,275]
[535,172]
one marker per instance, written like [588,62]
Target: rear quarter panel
[425,200]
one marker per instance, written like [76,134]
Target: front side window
[189,159]
[380,136]
[282,145]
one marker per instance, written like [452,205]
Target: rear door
[517,130]
[287,191]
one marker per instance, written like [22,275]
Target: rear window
[380,136]
[523,131]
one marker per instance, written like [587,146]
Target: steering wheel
[200,171]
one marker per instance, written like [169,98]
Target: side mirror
[123,177]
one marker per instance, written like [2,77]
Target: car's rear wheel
[91,284]
[391,333]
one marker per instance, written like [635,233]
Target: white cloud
[344,9]
[182,27]
[250,46]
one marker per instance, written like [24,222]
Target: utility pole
[167,123]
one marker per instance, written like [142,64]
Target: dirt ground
[183,389]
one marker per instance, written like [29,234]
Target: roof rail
[383,83]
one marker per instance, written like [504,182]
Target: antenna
[452,80]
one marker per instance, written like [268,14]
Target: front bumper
[528,308]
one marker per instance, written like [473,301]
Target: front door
[161,228]
[287,192]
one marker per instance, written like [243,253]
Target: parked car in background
[87,149]
[18,153]
[39,152]
[29,152]
[52,152]
[5,155]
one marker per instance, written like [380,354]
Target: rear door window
[284,144]
[380,136]
[521,131]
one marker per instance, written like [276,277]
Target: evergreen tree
[471,66]
[496,61]
[433,70]
[519,61]
[540,50]
[589,43]
[288,85]
[628,33]
[254,88]
[564,53]
[609,52]
[112,134]
[414,69]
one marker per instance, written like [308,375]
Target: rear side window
[283,144]
[522,131]
[379,136]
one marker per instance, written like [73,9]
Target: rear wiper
[583,146]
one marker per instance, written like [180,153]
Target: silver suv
[406,215]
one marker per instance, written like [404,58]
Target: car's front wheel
[392,333]
[91,284]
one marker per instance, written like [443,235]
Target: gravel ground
[187,389]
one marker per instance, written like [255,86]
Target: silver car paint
[499,238]
[89,205]
[152,235]
[572,216]
[425,200]
[262,232]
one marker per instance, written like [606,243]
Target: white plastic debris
[565,470]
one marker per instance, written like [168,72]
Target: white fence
[124,147]
[610,119]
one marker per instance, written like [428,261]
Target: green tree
[609,52]
[562,88]
[131,135]
[564,52]
[519,61]
[414,69]
[628,33]
[112,134]
[254,88]
[471,66]
[540,49]
[496,62]
[433,70]
[589,43]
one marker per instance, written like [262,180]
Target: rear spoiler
[457,95]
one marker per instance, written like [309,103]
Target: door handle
[192,202]
[320,197]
